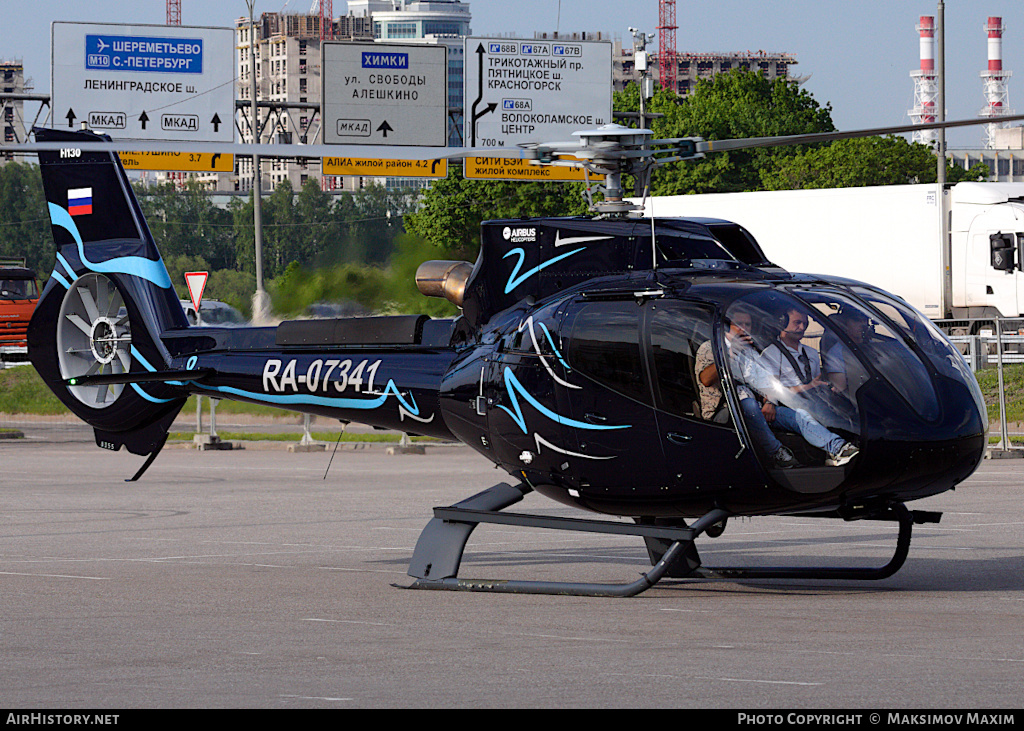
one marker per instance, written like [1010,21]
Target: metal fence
[978,340]
[986,344]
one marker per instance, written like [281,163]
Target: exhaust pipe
[445,279]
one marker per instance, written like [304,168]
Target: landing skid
[896,512]
[438,554]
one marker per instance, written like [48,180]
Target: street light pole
[260,304]
[940,70]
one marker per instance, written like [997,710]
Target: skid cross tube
[438,553]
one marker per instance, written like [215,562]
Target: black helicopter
[573,366]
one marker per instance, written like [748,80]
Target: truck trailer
[953,252]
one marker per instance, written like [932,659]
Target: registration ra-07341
[321,375]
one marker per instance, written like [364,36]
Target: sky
[858,55]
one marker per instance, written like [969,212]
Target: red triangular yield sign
[196,282]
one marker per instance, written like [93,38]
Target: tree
[863,162]
[738,104]
[452,210]
[185,222]
[24,220]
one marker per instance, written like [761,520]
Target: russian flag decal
[80,201]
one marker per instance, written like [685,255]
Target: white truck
[951,252]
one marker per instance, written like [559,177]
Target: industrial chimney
[925,84]
[994,81]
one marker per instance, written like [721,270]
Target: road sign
[147,82]
[196,282]
[199,162]
[501,168]
[519,91]
[384,94]
[385,168]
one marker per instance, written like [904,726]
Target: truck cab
[987,233]
[19,293]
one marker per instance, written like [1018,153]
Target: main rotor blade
[273,150]
[806,139]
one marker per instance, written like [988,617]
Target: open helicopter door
[703,451]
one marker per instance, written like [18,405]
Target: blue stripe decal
[145,364]
[59,279]
[551,342]
[513,386]
[148,397]
[515,278]
[67,267]
[339,403]
[137,266]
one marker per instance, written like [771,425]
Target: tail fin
[107,301]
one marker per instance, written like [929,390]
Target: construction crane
[326,10]
[173,12]
[667,65]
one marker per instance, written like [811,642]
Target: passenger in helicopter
[788,371]
[713,407]
[857,326]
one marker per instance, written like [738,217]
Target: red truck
[19,292]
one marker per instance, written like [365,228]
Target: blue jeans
[798,421]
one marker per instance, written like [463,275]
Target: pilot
[857,325]
[739,343]
[789,364]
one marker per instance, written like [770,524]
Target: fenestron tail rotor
[94,338]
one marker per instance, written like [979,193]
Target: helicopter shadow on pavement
[955,573]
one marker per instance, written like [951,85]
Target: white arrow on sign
[196,282]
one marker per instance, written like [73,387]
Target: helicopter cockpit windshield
[798,360]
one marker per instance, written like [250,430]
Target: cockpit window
[680,247]
[942,354]
[877,344]
[680,332]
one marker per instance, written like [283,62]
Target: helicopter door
[697,435]
[612,414]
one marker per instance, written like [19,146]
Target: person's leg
[758,427]
[799,421]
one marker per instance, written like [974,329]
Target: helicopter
[575,353]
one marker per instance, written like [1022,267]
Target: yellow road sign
[501,168]
[385,168]
[196,162]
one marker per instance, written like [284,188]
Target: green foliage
[452,210]
[24,220]
[862,162]
[413,251]
[977,173]
[310,229]
[1013,385]
[22,391]
[186,223]
[298,287]
[738,104]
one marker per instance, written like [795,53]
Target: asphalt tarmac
[245,579]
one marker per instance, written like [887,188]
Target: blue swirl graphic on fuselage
[338,403]
[515,278]
[138,266]
[513,386]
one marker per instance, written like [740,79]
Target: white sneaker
[844,455]
[783,459]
